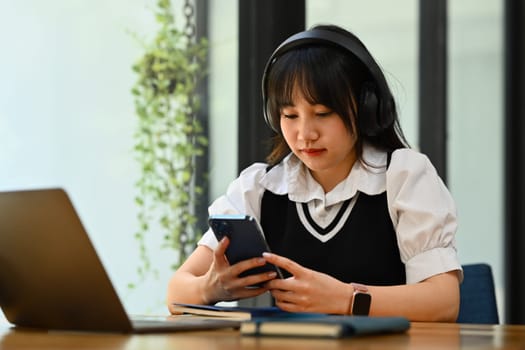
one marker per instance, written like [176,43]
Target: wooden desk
[420,336]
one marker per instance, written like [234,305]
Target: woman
[347,208]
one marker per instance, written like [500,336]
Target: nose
[307,130]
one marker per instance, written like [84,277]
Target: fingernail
[261,261]
[272,274]
[267,255]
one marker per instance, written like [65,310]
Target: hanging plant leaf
[169,137]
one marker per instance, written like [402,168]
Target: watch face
[361,304]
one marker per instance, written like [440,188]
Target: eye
[288,113]
[324,113]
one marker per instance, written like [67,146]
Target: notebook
[52,278]
[239,313]
[323,326]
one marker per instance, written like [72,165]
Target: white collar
[292,177]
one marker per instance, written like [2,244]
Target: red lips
[312,151]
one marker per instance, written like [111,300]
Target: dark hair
[331,76]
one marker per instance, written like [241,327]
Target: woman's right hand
[222,281]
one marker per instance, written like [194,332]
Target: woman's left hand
[307,290]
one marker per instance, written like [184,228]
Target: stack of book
[271,321]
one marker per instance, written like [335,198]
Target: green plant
[169,137]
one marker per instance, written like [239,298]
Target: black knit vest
[365,250]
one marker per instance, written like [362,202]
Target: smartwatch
[361,300]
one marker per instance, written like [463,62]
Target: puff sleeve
[424,216]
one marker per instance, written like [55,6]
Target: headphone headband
[350,44]
[321,36]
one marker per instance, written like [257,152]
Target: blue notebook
[323,326]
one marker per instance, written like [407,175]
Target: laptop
[52,278]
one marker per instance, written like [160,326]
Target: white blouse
[422,210]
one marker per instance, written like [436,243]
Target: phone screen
[246,240]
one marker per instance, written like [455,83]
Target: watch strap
[358,287]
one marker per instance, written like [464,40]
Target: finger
[282,295]
[284,263]
[260,279]
[286,306]
[248,286]
[249,276]
[285,300]
[219,252]
[279,284]
[247,264]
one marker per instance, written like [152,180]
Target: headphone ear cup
[368,111]
[374,116]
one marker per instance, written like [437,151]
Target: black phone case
[246,240]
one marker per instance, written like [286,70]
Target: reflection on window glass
[391,35]
[475,83]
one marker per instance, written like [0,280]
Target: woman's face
[319,138]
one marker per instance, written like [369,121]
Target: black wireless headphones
[376,109]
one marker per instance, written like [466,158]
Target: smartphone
[246,240]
